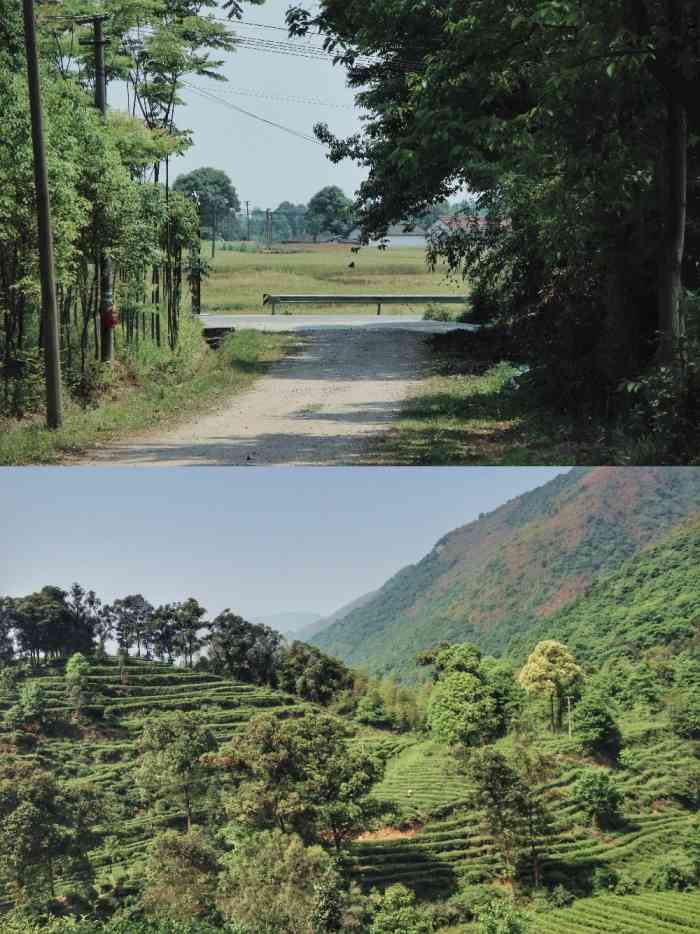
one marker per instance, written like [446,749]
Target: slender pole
[107,316]
[247,217]
[52,348]
[213,230]
[568,701]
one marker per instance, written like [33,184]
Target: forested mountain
[652,600]
[493,579]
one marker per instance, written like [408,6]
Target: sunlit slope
[495,578]
[652,600]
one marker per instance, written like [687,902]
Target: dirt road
[323,405]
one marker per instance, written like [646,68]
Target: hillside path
[322,404]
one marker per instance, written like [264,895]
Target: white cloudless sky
[257,540]
[266,165]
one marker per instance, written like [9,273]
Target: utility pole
[247,217]
[196,280]
[568,703]
[52,347]
[108,316]
[213,231]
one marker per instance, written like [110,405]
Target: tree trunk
[670,304]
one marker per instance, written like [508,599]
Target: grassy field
[238,279]
[146,388]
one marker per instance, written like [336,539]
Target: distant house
[453,223]
[398,235]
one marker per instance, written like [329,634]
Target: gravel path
[320,405]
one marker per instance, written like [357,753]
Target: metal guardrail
[378,300]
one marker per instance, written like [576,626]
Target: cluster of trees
[110,196]
[576,123]
[328,212]
[53,624]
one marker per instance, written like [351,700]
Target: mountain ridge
[491,579]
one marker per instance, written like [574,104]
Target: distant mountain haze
[289,623]
[493,579]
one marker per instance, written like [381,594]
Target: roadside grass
[146,387]
[238,279]
[481,417]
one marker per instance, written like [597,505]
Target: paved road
[325,403]
[382,322]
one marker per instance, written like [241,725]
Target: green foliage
[671,875]
[685,713]
[215,192]
[595,727]
[460,709]
[504,575]
[551,671]
[45,829]
[301,776]
[170,766]
[329,211]
[598,798]
[396,910]
[270,884]
[501,917]
[308,672]
[180,876]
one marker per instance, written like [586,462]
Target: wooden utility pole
[213,229]
[247,217]
[52,347]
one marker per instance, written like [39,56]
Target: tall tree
[551,671]
[301,776]
[216,194]
[329,211]
[45,829]
[171,747]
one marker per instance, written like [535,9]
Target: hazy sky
[266,165]
[257,540]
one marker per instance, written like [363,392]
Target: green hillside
[493,579]
[652,600]
[103,750]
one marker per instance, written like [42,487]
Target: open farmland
[238,280]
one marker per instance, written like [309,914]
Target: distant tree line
[53,624]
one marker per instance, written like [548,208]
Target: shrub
[685,715]
[501,917]
[436,313]
[396,910]
[596,729]
[604,879]
[598,798]
[671,875]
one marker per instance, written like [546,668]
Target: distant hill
[495,578]
[290,623]
[651,600]
[308,632]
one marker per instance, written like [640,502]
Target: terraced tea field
[653,913]
[451,847]
[107,754]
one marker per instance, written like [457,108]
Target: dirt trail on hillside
[322,404]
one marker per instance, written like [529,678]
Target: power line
[251,92]
[248,113]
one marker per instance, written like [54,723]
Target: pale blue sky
[257,540]
[266,165]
